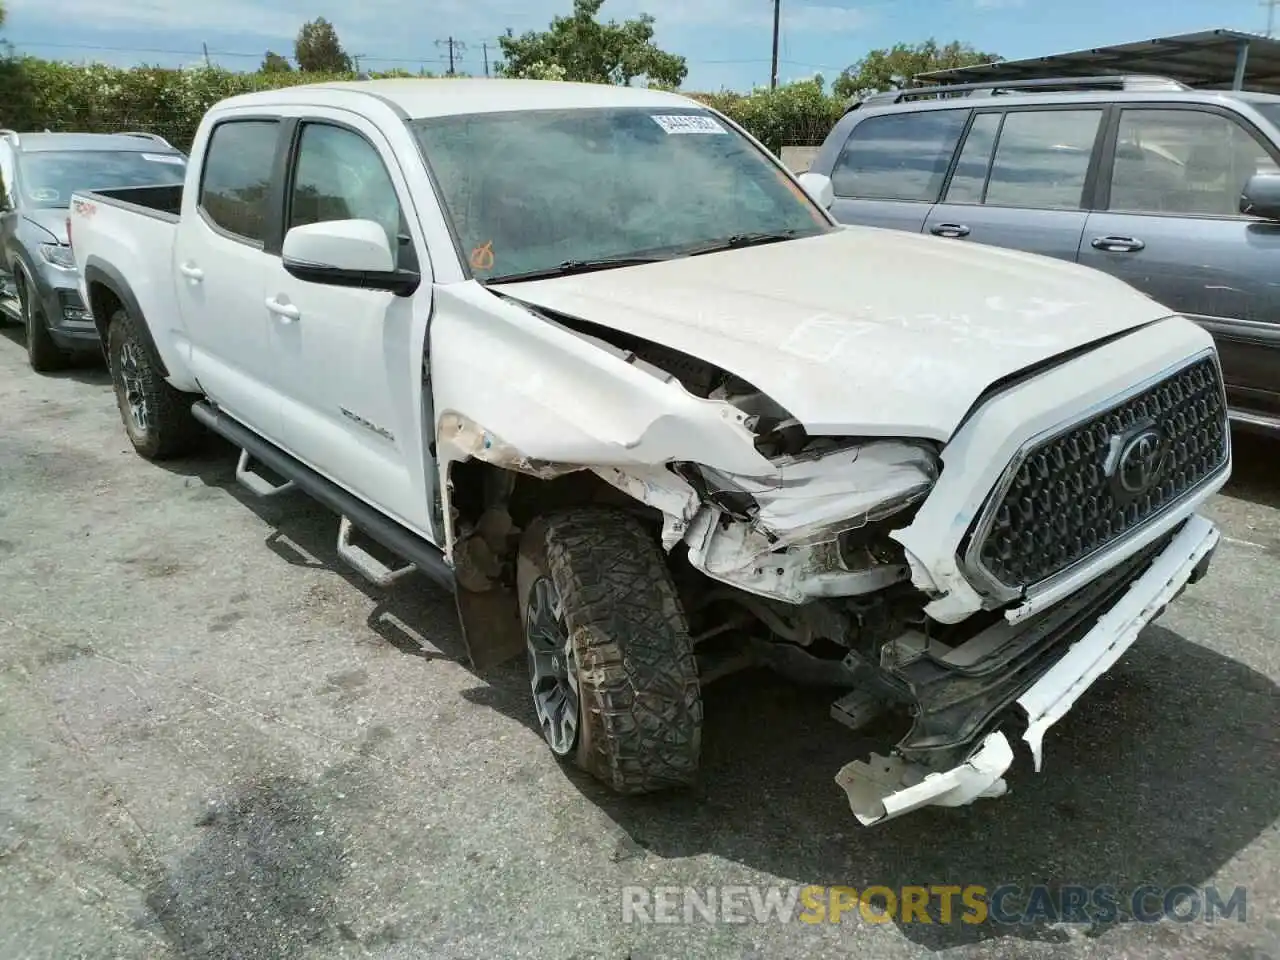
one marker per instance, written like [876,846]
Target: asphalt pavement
[216,742]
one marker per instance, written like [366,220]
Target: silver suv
[38,277]
[1171,189]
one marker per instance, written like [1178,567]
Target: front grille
[1070,495]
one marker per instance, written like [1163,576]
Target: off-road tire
[640,703]
[171,430]
[43,354]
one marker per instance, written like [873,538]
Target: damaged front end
[833,560]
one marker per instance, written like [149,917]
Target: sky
[727,43]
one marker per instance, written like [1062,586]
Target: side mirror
[1261,196]
[819,187]
[346,253]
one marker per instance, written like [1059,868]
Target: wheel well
[103,302]
[490,507]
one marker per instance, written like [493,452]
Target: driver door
[351,382]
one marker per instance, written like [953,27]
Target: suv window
[902,156]
[340,176]
[1042,159]
[1187,162]
[237,176]
[969,181]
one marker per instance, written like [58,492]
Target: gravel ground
[217,743]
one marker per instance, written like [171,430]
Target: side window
[901,156]
[970,178]
[237,176]
[1042,159]
[340,176]
[1187,162]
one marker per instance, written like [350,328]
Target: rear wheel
[156,416]
[611,666]
[43,354]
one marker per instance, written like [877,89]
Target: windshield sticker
[45,194]
[482,256]
[688,123]
[164,158]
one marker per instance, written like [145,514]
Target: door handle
[191,272]
[949,230]
[1118,244]
[285,311]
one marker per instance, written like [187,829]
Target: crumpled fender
[505,379]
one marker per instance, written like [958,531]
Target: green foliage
[275,63]
[894,68]
[318,49]
[797,112]
[581,48]
[40,94]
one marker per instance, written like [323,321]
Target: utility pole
[777,20]
[206,54]
[485,47]
[454,46]
[1271,14]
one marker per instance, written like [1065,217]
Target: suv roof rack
[990,88]
[146,136]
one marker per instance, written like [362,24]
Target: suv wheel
[611,666]
[156,416]
[43,354]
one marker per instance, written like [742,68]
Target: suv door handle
[285,311]
[1118,244]
[949,230]
[191,272]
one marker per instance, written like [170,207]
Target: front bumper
[70,323]
[887,787]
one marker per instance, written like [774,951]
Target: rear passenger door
[892,167]
[1022,180]
[1170,225]
[220,260]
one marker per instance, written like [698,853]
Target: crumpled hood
[862,330]
[52,221]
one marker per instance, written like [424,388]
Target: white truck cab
[593,359]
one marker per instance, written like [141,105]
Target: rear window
[47,179]
[237,176]
[901,156]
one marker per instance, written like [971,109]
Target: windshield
[47,179]
[528,191]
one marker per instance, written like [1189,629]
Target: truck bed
[162,202]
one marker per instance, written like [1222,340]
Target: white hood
[859,331]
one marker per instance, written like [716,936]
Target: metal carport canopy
[1213,59]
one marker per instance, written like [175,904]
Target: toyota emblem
[1140,461]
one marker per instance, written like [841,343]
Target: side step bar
[420,553]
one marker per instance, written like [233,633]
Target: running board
[255,482]
[421,553]
[366,564]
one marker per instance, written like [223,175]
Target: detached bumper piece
[1036,670]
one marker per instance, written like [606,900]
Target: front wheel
[43,354]
[611,665]
[157,417]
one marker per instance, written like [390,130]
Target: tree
[587,50]
[275,63]
[318,49]
[893,69]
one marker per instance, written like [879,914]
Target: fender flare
[97,273]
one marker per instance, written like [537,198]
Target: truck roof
[44,142]
[429,97]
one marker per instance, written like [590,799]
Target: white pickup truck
[591,357]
